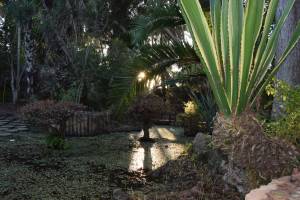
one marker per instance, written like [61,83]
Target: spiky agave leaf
[237,70]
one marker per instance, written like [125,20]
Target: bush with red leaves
[146,109]
[50,114]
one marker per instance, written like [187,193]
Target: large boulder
[284,188]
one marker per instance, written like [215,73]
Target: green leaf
[200,29]
[237,53]
[235,24]
[252,24]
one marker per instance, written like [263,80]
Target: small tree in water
[145,110]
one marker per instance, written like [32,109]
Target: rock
[278,189]
[119,194]
[235,177]
[207,155]
[201,143]
[218,163]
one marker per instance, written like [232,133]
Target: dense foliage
[287,126]
[190,119]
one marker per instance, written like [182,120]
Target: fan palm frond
[158,58]
[157,18]
[153,60]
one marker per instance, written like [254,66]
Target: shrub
[146,109]
[288,126]
[56,142]
[50,114]
[190,119]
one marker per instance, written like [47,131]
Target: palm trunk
[28,43]
[290,71]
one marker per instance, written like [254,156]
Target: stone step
[5,134]
[12,131]
[8,127]
[17,125]
[5,121]
[22,129]
[9,124]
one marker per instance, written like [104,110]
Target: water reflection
[166,134]
[154,155]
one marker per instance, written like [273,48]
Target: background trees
[93,51]
[63,45]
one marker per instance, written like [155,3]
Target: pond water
[90,169]
[168,146]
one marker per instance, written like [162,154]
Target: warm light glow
[137,159]
[141,76]
[166,134]
[158,154]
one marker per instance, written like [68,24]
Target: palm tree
[159,44]
[160,18]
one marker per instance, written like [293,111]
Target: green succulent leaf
[238,51]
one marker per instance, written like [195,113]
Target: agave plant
[238,51]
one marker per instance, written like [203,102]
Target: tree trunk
[290,70]
[28,44]
[15,95]
[146,136]
[16,74]
[146,133]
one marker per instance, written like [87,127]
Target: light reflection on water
[152,156]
